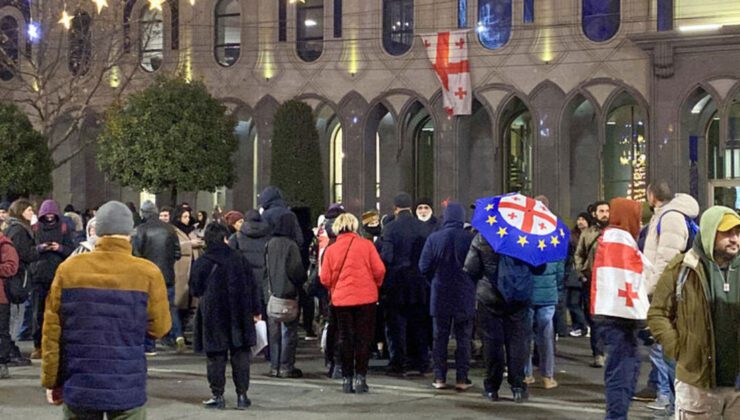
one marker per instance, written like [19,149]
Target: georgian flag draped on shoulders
[448,52]
[618,286]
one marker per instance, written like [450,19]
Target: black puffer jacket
[157,242]
[48,262]
[22,237]
[250,241]
[284,265]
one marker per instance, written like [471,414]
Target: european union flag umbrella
[521,227]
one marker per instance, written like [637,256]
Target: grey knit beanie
[114,218]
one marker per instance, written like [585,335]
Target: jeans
[597,343]
[402,322]
[176,330]
[5,342]
[545,338]
[574,299]
[463,335]
[504,344]
[20,320]
[356,326]
[38,298]
[216,366]
[665,373]
[622,367]
[283,344]
[70,413]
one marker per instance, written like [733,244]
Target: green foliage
[296,156]
[25,159]
[172,136]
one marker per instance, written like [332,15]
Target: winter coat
[284,267]
[430,226]
[274,206]
[229,299]
[572,276]
[100,308]
[548,284]
[188,254]
[22,237]
[401,244]
[586,250]
[45,232]
[352,271]
[250,241]
[442,261]
[661,249]
[8,265]
[157,242]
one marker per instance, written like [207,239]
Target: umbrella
[521,227]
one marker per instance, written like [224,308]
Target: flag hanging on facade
[618,287]
[448,52]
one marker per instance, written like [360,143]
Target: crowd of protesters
[396,287]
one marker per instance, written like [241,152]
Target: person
[54,243]
[8,268]
[371,228]
[251,241]
[353,272]
[19,231]
[190,246]
[405,292]
[574,292]
[230,305]
[327,237]
[452,305]
[285,275]
[668,235]
[103,303]
[234,220]
[273,206]
[89,244]
[424,211]
[165,214]
[157,242]
[695,316]
[137,219]
[306,302]
[583,258]
[504,325]
[201,223]
[619,302]
[4,207]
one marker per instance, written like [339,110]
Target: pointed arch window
[310,30]
[494,23]
[398,26]
[228,32]
[80,44]
[600,19]
[152,40]
[9,47]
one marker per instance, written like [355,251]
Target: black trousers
[505,343]
[216,366]
[308,310]
[356,326]
[5,343]
[38,300]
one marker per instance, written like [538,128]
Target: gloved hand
[646,336]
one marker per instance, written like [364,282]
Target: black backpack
[18,286]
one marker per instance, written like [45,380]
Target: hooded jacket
[274,206]
[681,312]
[442,261]
[250,241]
[283,260]
[46,232]
[661,249]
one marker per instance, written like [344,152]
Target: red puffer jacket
[8,264]
[360,277]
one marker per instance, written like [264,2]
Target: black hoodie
[283,261]
[274,206]
[251,241]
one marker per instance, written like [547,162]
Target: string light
[100,4]
[66,20]
[156,4]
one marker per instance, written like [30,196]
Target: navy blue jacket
[274,206]
[442,260]
[402,241]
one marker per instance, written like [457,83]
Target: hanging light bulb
[66,20]
[100,4]
[156,4]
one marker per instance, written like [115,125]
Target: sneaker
[598,362]
[216,402]
[439,384]
[18,361]
[647,394]
[273,373]
[36,355]
[463,384]
[520,395]
[549,383]
[180,344]
[150,353]
[311,336]
[242,402]
[291,374]
[660,403]
[4,374]
[576,333]
[588,332]
[529,380]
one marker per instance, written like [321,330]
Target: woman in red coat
[353,272]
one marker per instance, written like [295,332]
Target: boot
[216,402]
[347,385]
[520,395]
[36,355]
[361,384]
[4,374]
[242,402]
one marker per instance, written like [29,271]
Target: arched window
[80,44]
[398,26]
[600,19]
[665,15]
[310,30]
[494,23]
[228,32]
[335,164]
[624,157]
[152,40]
[9,46]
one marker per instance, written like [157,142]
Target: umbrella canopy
[521,227]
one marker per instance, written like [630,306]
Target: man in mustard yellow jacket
[101,307]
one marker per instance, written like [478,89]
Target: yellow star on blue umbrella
[522,241]
[502,232]
[554,241]
[491,220]
[541,245]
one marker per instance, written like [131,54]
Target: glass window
[9,45]
[625,153]
[600,19]
[152,40]
[494,23]
[665,15]
[282,20]
[310,29]
[528,11]
[518,177]
[337,18]
[424,159]
[228,32]
[80,44]
[336,161]
[462,14]
[398,26]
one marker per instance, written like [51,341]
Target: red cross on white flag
[448,52]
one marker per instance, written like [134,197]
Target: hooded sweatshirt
[274,206]
[46,232]
[250,241]
[283,260]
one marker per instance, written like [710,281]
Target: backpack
[514,280]
[691,226]
[18,286]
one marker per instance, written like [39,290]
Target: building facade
[578,100]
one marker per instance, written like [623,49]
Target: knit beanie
[149,209]
[233,216]
[114,218]
[403,201]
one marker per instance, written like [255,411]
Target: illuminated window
[519,144]
[228,32]
[528,16]
[398,26]
[462,14]
[282,20]
[9,46]
[665,15]
[600,19]
[152,40]
[310,29]
[494,23]
[335,168]
[625,151]
[80,44]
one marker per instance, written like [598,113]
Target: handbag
[280,309]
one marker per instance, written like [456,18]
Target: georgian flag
[448,52]
[618,283]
